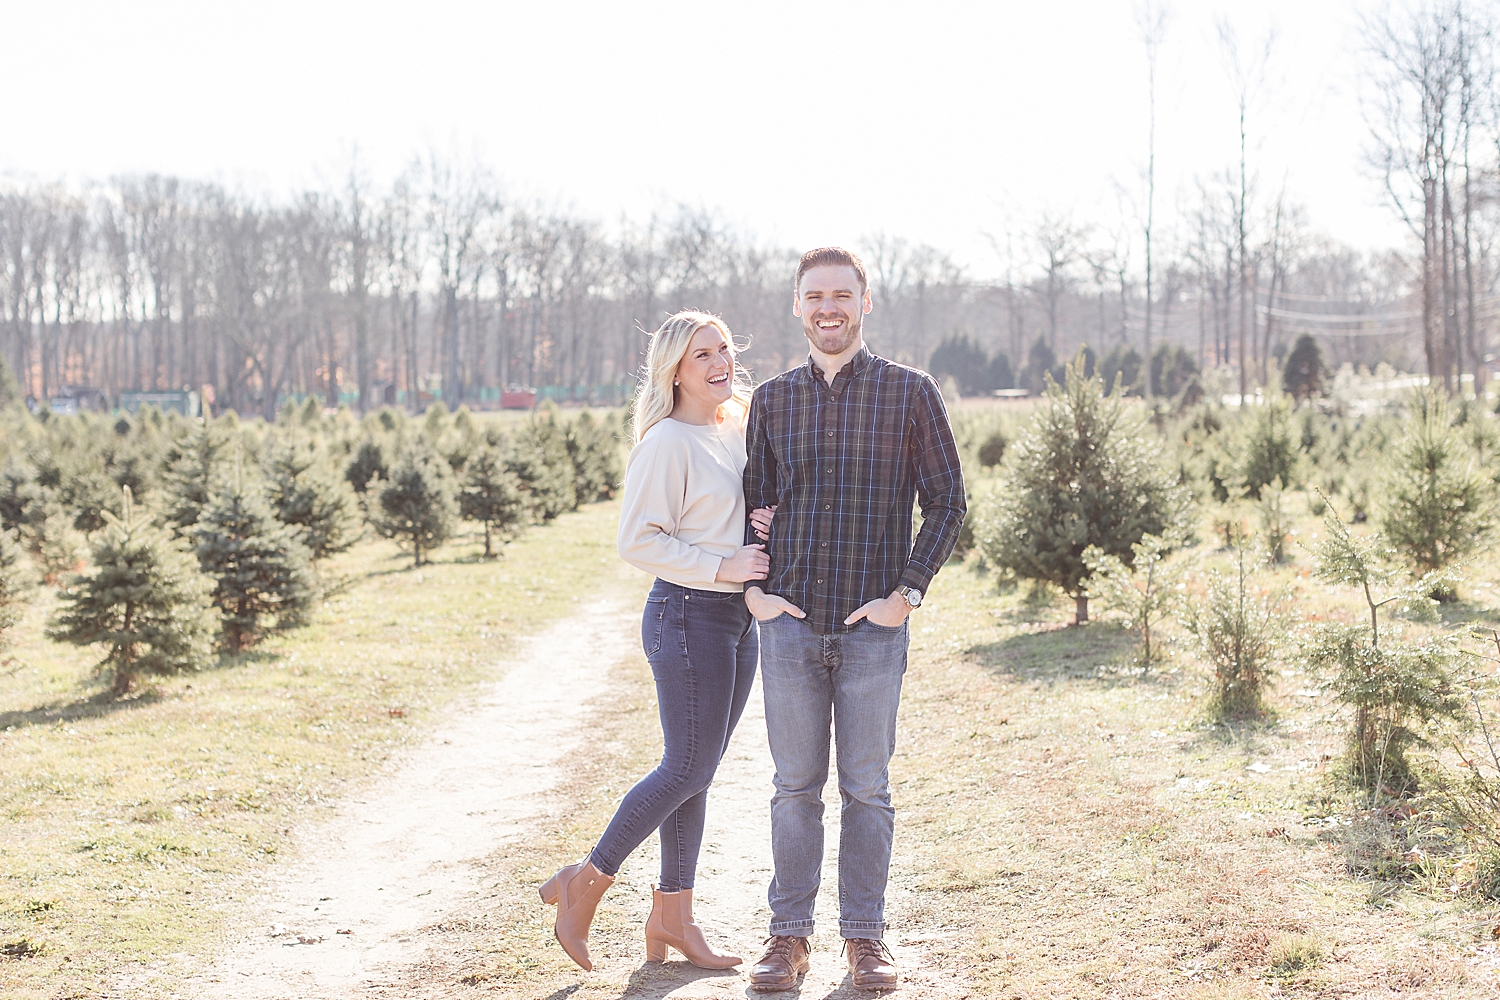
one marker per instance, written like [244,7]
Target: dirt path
[358,913]
[403,855]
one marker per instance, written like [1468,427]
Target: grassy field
[1076,828]
[1067,824]
[127,822]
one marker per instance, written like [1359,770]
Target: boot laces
[862,948]
[781,945]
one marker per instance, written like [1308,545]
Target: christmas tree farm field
[1069,824]
[128,822]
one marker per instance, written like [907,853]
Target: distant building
[184,401]
[72,399]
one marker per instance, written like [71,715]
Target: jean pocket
[888,629]
[653,621]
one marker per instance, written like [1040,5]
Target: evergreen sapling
[1239,630]
[1396,688]
[306,493]
[1438,505]
[1083,474]
[143,598]
[261,570]
[1145,592]
[491,494]
[13,584]
[418,505]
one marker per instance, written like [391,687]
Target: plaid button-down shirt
[843,465]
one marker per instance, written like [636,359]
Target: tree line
[439,286]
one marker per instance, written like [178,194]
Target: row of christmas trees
[169,536]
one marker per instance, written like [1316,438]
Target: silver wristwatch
[911,595]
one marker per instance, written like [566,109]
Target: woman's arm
[655,494]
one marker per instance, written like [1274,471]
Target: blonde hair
[656,396]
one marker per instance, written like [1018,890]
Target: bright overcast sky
[804,123]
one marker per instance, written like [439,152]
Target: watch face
[913,597]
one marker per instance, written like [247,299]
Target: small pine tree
[539,459]
[1084,473]
[594,448]
[58,547]
[418,505]
[260,568]
[958,357]
[491,495]
[1438,505]
[1238,632]
[307,494]
[22,499]
[88,491]
[1396,688]
[1304,374]
[1121,370]
[1267,449]
[368,465]
[1145,592]
[144,598]
[191,464]
[1041,363]
[12,584]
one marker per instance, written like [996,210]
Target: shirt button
[830,433]
[825,545]
[829,470]
[827,506]
[820,581]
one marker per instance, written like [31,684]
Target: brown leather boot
[671,925]
[871,964]
[782,966]
[576,891]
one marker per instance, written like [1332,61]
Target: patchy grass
[128,822]
[1071,827]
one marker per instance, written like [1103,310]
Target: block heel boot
[671,925]
[575,891]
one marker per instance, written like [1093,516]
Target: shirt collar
[851,368]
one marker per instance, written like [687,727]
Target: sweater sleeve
[655,492]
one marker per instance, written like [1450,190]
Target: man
[842,446]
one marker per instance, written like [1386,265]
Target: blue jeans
[850,683]
[702,646]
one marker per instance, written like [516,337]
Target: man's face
[832,305]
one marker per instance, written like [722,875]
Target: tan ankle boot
[576,891]
[671,924]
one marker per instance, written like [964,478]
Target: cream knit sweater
[685,502]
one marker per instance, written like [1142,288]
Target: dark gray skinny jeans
[703,647]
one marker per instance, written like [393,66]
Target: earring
[675,382]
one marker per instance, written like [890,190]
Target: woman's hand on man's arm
[760,521]
[749,563]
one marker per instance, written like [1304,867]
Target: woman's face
[705,375]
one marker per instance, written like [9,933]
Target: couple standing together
[828,459]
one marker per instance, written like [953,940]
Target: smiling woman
[683,521]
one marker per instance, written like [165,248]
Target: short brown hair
[830,257]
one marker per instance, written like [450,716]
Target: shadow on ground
[654,981]
[93,707]
[1099,651]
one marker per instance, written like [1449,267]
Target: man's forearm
[941,527]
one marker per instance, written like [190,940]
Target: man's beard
[847,335]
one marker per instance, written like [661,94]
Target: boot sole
[779,987]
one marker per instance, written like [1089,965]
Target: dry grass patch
[130,823]
[1080,829]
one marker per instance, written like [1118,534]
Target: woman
[683,521]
